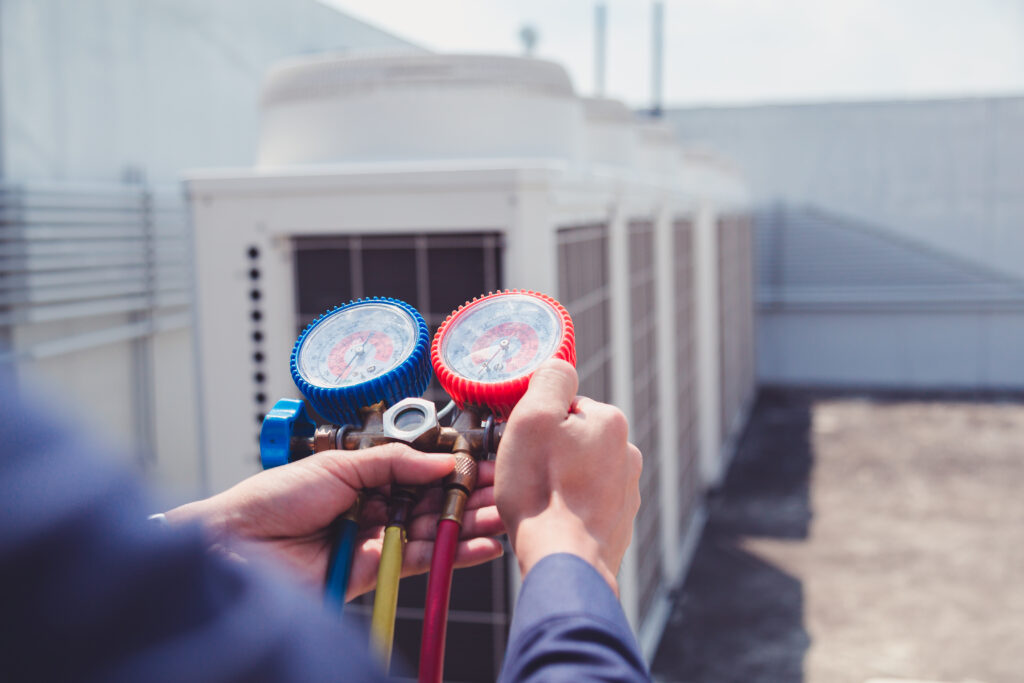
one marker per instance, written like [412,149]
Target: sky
[741,51]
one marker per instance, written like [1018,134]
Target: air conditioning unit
[436,178]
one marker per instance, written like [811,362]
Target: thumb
[386,464]
[552,387]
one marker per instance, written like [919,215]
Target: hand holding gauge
[567,480]
[357,359]
[483,355]
[349,363]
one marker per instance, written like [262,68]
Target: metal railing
[115,254]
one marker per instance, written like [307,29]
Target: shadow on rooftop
[737,617]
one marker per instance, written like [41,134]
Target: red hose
[435,613]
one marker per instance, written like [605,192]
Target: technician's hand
[567,479]
[288,510]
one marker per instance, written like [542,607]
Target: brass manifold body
[413,421]
[473,436]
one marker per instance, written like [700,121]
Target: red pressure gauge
[485,352]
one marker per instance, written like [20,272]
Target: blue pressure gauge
[368,350]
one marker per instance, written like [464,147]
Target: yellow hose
[385,602]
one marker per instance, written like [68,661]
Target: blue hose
[340,568]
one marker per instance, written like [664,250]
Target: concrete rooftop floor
[861,537]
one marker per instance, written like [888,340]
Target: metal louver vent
[736,297]
[583,290]
[689,483]
[644,430]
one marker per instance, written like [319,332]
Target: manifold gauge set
[363,367]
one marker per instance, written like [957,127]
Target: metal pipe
[600,36]
[657,55]
[103,337]
[86,309]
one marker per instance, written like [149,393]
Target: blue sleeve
[92,592]
[569,626]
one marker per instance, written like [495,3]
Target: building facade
[103,105]
[890,240]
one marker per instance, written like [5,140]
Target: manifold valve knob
[286,422]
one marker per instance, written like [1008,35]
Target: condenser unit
[434,179]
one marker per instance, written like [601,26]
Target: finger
[485,473]
[582,405]
[373,515]
[365,563]
[480,498]
[482,495]
[467,554]
[636,459]
[375,510]
[372,533]
[429,503]
[477,551]
[428,512]
[393,462]
[416,559]
[552,389]
[484,521]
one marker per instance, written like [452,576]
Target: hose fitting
[460,483]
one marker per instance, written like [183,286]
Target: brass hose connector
[460,483]
[400,505]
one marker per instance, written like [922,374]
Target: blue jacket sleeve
[569,626]
[91,591]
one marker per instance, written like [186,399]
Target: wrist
[552,532]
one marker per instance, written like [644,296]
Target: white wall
[92,87]
[945,172]
[895,349]
[891,240]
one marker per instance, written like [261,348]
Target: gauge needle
[359,354]
[486,355]
[501,346]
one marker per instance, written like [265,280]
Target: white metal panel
[706,262]
[683,396]
[621,394]
[325,109]
[880,309]
[896,349]
[942,172]
[173,86]
[644,425]
[667,393]
[175,436]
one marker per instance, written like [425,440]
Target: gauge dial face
[501,338]
[356,344]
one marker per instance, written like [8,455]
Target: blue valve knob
[368,350]
[286,421]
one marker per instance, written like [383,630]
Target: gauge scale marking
[356,344]
[502,338]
